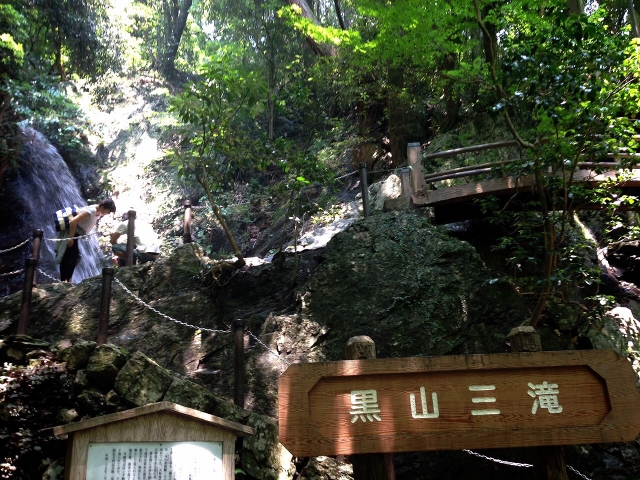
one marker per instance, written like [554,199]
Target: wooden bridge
[457,203]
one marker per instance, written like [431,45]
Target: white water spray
[45,184]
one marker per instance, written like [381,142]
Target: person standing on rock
[146,242]
[68,253]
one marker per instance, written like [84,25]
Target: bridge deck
[455,203]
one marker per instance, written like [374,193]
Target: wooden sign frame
[456,402]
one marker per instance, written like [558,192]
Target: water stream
[46,184]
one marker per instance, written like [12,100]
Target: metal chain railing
[16,247]
[275,354]
[195,327]
[515,464]
[578,473]
[146,305]
[346,175]
[47,275]
[15,272]
[70,238]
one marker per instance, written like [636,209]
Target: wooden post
[186,232]
[35,252]
[23,320]
[405,182]
[131,232]
[548,461]
[238,363]
[414,157]
[371,466]
[365,189]
[105,303]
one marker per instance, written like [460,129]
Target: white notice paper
[155,461]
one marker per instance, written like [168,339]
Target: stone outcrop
[139,381]
[408,285]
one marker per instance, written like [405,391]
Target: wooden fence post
[370,466]
[131,232]
[105,303]
[548,461]
[238,363]
[35,252]
[186,232]
[414,157]
[23,320]
[365,189]
[405,182]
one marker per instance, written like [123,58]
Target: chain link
[275,354]
[70,238]
[514,464]
[347,175]
[578,473]
[146,305]
[47,275]
[16,247]
[503,462]
[11,273]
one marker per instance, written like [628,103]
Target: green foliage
[46,104]
[11,35]
[216,111]
[68,36]
[30,398]
[568,86]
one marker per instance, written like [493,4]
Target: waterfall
[45,184]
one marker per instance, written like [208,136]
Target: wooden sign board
[456,402]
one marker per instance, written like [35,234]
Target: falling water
[45,181]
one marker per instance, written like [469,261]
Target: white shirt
[88,223]
[145,239]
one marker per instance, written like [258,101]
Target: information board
[455,402]
[155,461]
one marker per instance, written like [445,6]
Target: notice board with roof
[159,441]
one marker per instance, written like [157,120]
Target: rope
[17,246]
[11,273]
[515,464]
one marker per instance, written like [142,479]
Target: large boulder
[410,287]
[77,356]
[190,394]
[105,363]
[142,381]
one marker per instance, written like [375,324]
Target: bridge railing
[490,167]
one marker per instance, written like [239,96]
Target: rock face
[408,285]
[140,381]
[411,288]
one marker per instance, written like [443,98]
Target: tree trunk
[205,184]
[452,103]
[339,14]
[318,48]
[175,20]
[57,66]
[576,7]
[272,86]
[397,117]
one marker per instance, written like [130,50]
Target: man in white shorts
[146,242]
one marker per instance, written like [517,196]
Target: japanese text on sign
[364,403]
[155,461]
